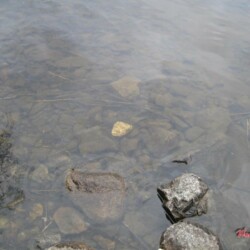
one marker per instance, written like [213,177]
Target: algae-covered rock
[99,195]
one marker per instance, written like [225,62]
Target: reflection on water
[176,70]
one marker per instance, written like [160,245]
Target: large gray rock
[72,245]
[99,195]
[189,236]
[183,197]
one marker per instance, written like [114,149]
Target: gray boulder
[183,197]
[189,236]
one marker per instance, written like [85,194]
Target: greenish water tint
[182,69]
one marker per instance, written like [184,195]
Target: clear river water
[177,71]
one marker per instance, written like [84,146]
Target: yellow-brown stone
[121,128]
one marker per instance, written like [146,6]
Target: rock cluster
[184,197]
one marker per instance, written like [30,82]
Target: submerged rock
[159,141]
[121,128]
[36,211]
[72,245]
[44,240]
[93,140]
[105,243]
[183,197]
[189,236]
[127,86]
[40,174]
[69,221]
[99,195]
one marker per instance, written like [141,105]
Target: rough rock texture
[189,236]
[99,195]
[73,245]
[183,197]
[69,220]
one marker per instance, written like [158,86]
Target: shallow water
[58,62]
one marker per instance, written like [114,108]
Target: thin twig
[62,77]
[247,132]
[46,190]
[246,113]
[8,97]
[46,226]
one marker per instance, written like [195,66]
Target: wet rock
[4,72]
[18,199]
[4,222]
[183,197]
[189,236]
[121,128]
[72,62]
[161,99]
[36,211]
[73,245]
[27,233]
[129,145]
[93,140]
[175,68]
[146,218]
[45,240]
[206,119]
[69,221]
[40,174]
[159,141]
[104,243]
[58,160]
[127,87]
[99,195]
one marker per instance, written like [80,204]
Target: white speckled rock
[189,236]
[183,197]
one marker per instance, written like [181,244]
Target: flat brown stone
[99,195]
[189,236]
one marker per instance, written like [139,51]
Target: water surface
[58,62]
